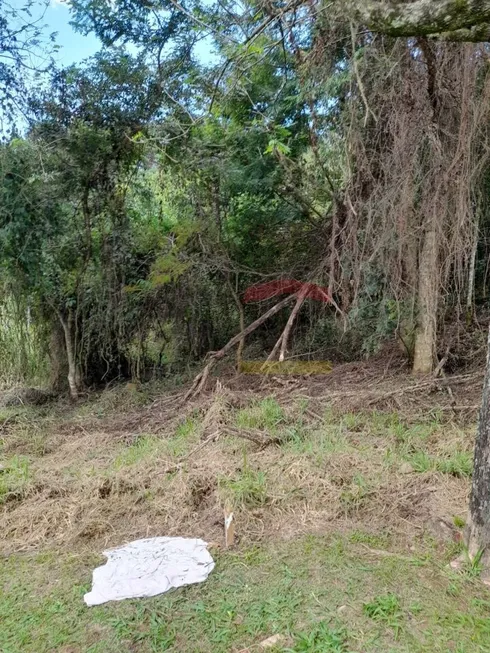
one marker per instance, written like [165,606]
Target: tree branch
[460,20]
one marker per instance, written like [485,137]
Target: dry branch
[461,20]
[254,435]
[200,380]
[289,325]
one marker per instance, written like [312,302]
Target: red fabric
[284,286]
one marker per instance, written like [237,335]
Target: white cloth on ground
[149,567]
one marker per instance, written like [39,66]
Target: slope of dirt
[365,448]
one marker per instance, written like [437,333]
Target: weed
[459,463]
[353,421]
[143,447]
[178,445]
[458,521]
[321,639]
[249,488]
[353,496]
[422,462]
[385,421]
[317,444]
[371,539]
[146,627]
[416,608]
[387,610]
[14,477]
[186,428]
[264,414]
[414,433]
[472,567]
[295,434]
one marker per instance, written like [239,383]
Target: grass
[387,610]
[354,494]
[458,463]
[246,489]
[14,477]
[144,447]
[151,446]
[263,414]
[312,591]
[369,582]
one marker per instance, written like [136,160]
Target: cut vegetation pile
[360,459]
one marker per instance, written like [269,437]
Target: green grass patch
[320,594]
[14,478]
[265,414]
[247,488]
[387,610]
[147,446]
[144,447]
[458,463]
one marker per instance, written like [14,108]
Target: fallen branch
[176,466]
[289,325]
[200,380]
[275,349]
[283,339]
[440,366]
[254,435]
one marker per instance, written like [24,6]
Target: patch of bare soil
[329,464]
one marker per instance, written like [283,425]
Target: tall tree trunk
[73,375]
[478,529]
[57,358]
[427,301]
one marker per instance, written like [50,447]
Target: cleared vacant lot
[350,498]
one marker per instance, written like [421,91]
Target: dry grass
[293,460]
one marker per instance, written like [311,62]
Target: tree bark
[73,376]
[428,296]
[478,528]
[461,20]
[57,358]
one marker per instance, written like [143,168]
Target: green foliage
[25,50]
[22,345]
[155,180]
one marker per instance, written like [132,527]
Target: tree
[454,20]
[68,183]
[24,53]
[462,20]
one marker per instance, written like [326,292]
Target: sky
[56,17]
[74,46]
